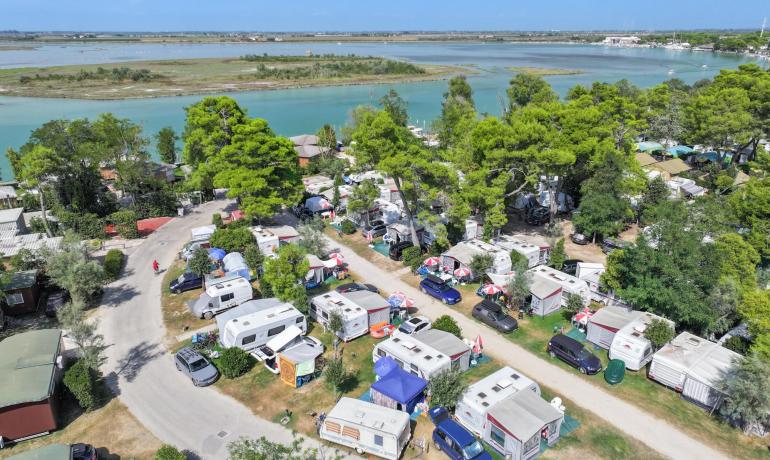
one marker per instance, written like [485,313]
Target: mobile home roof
[612,317]
[688,351]
[442,341]
[249,321]
[368,300]
[216,288]
[334,301]
[405,348]
[247,308]
[524,414]
[370,415]
[510,243]
[497,386]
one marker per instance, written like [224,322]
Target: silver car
[196,366]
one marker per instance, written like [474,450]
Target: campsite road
[655,433]
[142,373]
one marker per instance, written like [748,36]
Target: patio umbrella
[478,345]
[217,254]
[431,261]
[462,272]
[491,289]
[336,255]
[583,316]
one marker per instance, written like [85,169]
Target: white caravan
[290,338]
[355,320]
[631,346]
[367,428]
[248,329]
[221,296]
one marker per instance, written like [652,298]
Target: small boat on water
[671,71]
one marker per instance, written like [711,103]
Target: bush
[168,452]
[737,344]
[659,333]
[81,382]
[232,239]
[234,362]
[412,257]
[348,227]
[113,263]
[216,219]
[86,225]
[447,324]
[446,388]
[125,223]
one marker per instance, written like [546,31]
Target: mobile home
[367,428]
[448,344]
[630,345]
[606,322]
[250,327]
[517,425]
[412,355]
[549,286]
[472,408]
[269,239]
[354,318]
[693,366]
[221,296]
[535,254]
[461,255]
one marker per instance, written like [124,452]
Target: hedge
[347,227]
[168,452]
[81,382]
[234,362]
[113,263]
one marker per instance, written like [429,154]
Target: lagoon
[297,111]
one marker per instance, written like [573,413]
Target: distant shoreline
[544,71]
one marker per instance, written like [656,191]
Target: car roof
[567,342]
[434,279]
[188,354]
[490,305]
[456,432]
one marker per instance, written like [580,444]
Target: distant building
[621,40]
[12,222]
[307,148]
[22,292]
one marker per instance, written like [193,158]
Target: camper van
[291,337]
[631,346]
[367,428]
[220,297]
[355,320]
[253,329]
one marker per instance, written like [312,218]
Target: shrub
[216,219]
[113,263]
[232,239]
[87,225]
[234,362]
[447,324]
[168,452]
[446,388]
[348,227]
[411,256]
[737,344]
[558,255]
[659,333]
[81,382]
[125,223]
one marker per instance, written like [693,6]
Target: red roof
[147,226]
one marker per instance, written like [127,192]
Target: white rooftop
[497,386]
[704,360]
[334,301]
[371,415]
[10,215]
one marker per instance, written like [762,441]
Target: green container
[616,370]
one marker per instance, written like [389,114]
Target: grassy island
[196,76]
[544,71]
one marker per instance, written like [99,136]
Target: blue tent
[216,254]
[649,147]
[398,389]
[383,366]
[677,150]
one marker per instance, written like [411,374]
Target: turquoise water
[303,110]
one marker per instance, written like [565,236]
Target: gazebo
[396,388]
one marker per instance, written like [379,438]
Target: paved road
[655,433]
[201,420]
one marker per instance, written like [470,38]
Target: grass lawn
[111,429]
[176,315]
[534,333]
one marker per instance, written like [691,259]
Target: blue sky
[354,15]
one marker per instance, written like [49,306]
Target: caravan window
[497,435]
[533,442]
[227,297]
[276,330]
[249,339]
[380,352]
[324,315]
[378,440]
[300,319]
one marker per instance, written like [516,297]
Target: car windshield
[472,450]
[198,365]
[584,354]
[405,329]
[442,287]
[181,278]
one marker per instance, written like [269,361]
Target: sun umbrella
[431,261]
[462,272]
[491,289]
[478,345]
[217,254]
[400,300]
[336,255]
[583,316]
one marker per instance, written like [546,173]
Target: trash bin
[180,211]
[616,370]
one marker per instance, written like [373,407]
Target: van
[574,353]
[252,329]
[220,297]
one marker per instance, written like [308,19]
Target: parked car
[82,451]
[538,216]
[415,324]
[579,238]
[570,266]
[455,441]
[187,281]
[574,353]
[196,366]
[375,228]
[189,249]
[610,245]
[438,288]
[353,287]
[54,302]
[396,251]
[491,314]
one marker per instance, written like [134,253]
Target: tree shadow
[349,382]
[116,294]
[104,454]
[136,358]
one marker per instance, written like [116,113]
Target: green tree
[395,106]
[125,223]
[755,309]
[447,324]
[312,239]
[360,115]
[113,263]
[199,263]
[747,400]
[480,264]
[527,88]
[573,305]
[458,114]
[71,269]
[90,345]
[169,452]
[81,380]
[446,388]
[232,239]
[558,255]
[327,138]
[26,260]
[234,362]
[656,192]
[659,332]
[335,375]
[518,286]
[362,198]
[254,258]
[285,274]
[264,449]
[166,144]
[335,325]
[37,168]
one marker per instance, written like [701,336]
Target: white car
[415,324]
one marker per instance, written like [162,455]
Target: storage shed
[398,389]
[29,375]
[376,306]
[518,424]
[297,364]
[22,292]
[606,322]
[546,296]
[444,342]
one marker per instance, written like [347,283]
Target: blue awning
[399,385]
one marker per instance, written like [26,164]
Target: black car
[375,228]
[610,245]
[492,314]
[82,451]
[574,353]
[54,302]
[579,238]
[353,287]
[538,216]
[570,266]
[187,281]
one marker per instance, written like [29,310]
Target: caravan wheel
[208,315]
[359,451]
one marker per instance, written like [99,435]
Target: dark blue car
[186,282]
[438,288]
[454,440]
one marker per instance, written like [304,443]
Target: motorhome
[367,428]
[412,355]
[221,296]
[473,406]
[355,320]
[248,328]
[631,346]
